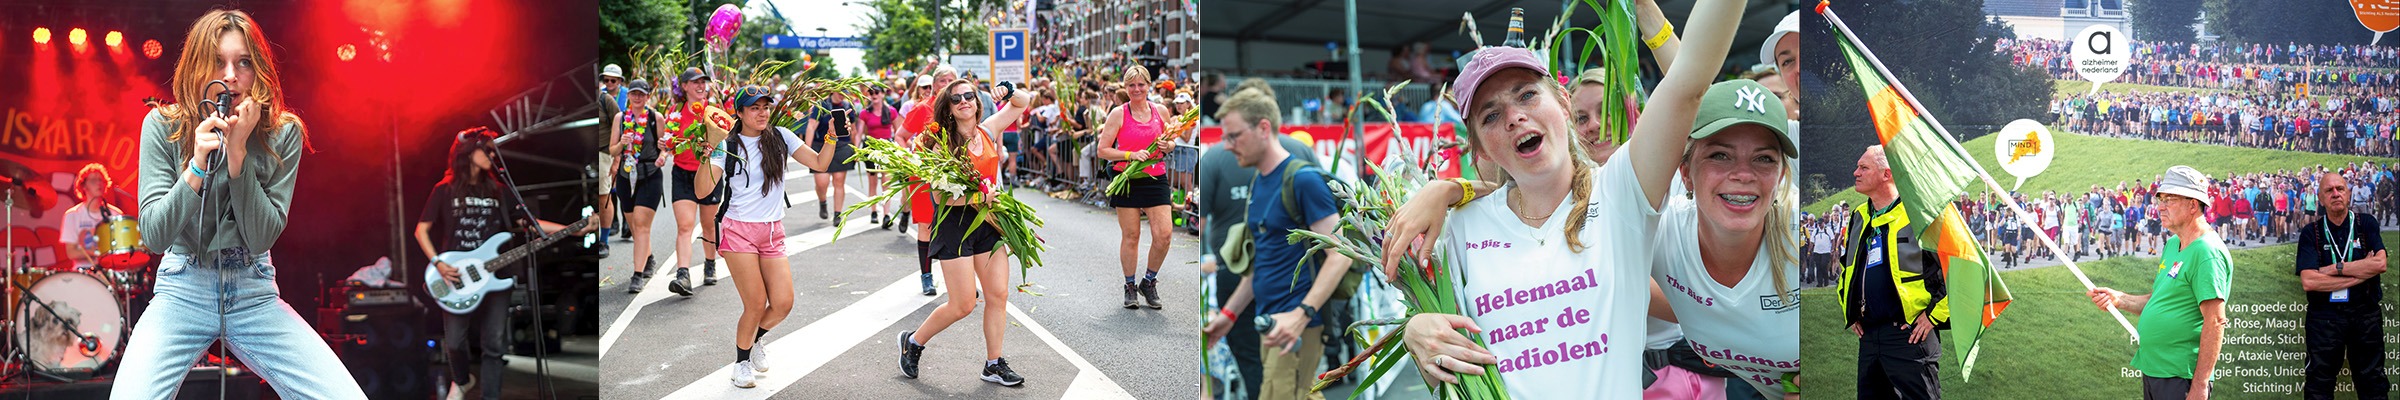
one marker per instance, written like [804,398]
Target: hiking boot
[927,278]
[682,284]
[1150,293]
[708,270]
[1132,294]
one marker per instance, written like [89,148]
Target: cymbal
[33,199]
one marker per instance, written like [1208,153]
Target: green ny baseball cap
[1742,101]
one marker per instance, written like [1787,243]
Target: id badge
[1874,254]
[2340,296]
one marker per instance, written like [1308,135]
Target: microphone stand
[533,279]
[216,163]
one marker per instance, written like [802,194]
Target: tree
[2272,21]
[629,24]
[1942,50]
[900,32]
[2163,20]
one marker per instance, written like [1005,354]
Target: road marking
[1089,382]
[805,350]
[656,289]
[812,346]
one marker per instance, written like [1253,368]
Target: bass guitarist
[469,205]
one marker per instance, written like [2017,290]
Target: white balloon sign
[2100,54]
[2024,149]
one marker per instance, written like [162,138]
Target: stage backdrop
[382,86]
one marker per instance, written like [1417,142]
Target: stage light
[151,48]
[346,52]
[114,39]
[41,35]
[75,36]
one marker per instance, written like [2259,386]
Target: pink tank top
[1136,135]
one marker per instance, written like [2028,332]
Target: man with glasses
[1224,191]
[2183,318]
[2340,259]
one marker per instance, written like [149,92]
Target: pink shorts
[764,239]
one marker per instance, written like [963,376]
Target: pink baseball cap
[1482,64]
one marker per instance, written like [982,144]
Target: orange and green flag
[1930,170]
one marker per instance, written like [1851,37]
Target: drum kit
[69,323]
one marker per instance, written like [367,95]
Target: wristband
[1229,316]
[1664,32]
[1466,186]
[202,173]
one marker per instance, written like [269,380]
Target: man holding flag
[1890,297]
[2183,317]
[1908,251]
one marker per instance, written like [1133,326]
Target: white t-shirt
[1822,240]
[1747,328]
[78,225]
[1564,324]
[753,199]
[1663,334]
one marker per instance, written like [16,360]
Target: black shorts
[684,190]
[952,238]
[842,150]
[1143,192]
[644,193]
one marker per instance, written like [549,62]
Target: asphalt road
[855,294]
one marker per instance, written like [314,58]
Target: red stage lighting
[75,36]
[151,48]
[346,52]
[115,39]
[41,35]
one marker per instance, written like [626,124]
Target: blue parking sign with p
[1008,45]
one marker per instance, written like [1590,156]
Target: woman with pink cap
[1556,266]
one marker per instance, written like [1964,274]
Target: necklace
[1517,192]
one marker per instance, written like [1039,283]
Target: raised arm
[1014,110]
[1651,20]
[1659,138]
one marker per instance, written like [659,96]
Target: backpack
[1237,253]
[735,168]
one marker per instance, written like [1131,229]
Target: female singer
[216,281]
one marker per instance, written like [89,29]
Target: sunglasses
[964,97]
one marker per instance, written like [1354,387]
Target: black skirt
[1143,192]
[956,235]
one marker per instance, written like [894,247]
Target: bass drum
[70,324]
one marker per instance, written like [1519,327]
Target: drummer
[78,229]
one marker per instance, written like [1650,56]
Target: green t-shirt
[2170,324]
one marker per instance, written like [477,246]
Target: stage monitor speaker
[386,352]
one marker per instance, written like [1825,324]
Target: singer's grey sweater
[255,204]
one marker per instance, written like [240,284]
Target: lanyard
[2342,249]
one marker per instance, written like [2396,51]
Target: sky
[838,19]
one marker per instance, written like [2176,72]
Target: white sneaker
[744,376]
[758,358]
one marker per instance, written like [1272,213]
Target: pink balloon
[723,25]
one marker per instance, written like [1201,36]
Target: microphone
[216,158]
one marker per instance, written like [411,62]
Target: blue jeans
[259,327]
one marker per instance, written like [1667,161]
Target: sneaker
[456,392]
[821,211]
[927,278]
[744,376]
[682,284]
[997,372]
[758,357]
[708,270]
[886,222]
[1131,296]
[908,355]
[1150,293]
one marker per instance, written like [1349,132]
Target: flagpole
[1953,146]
